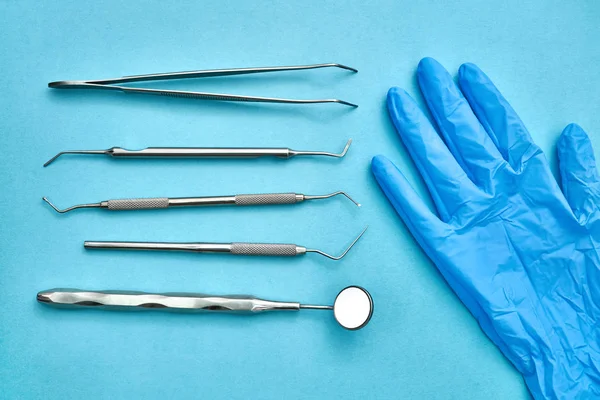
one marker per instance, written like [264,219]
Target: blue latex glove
[520,253]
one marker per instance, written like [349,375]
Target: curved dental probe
[327,196]
[336,258]
[236,200]
[247,249]
[112,84]
[205,152]
[352,308]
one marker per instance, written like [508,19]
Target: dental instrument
[113,84]
[235,200]
[352,308]
[244,249]
[205,152]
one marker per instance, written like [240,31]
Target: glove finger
[447,182]
[466,138]
[427,230]
[424,225]
[497,117]
[579,176]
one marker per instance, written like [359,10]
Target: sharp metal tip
[346,67]
[53,206]
[326,196]
[337,65]
[346,103]
[343,153]
[74,152]
[52,159]
[70,208]
[336,258]
[321,153]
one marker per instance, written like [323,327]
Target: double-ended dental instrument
[242,249]
[204,152]
[235,200]
[114,84]
[352,308]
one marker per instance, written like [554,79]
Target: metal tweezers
[112,84]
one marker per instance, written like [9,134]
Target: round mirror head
[353,307]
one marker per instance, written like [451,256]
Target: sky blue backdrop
[421,342]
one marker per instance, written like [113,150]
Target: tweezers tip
[347,103]
[345,67]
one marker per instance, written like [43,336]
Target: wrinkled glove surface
[519,252]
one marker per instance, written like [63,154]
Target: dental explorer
[112,84]
[352,308]
[243,249]
[205,152]
[235,200]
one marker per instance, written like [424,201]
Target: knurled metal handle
[264,249]
[265,199]
[138,204]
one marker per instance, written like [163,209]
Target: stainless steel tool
[114,84]
[235,200]
[244,249]
[204,152]
[352,308]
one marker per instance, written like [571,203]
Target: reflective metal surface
[112,84]
[248,249]
[352,309]
[205,152]
[238,200]
[167,301]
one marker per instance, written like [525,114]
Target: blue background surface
[421,342]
